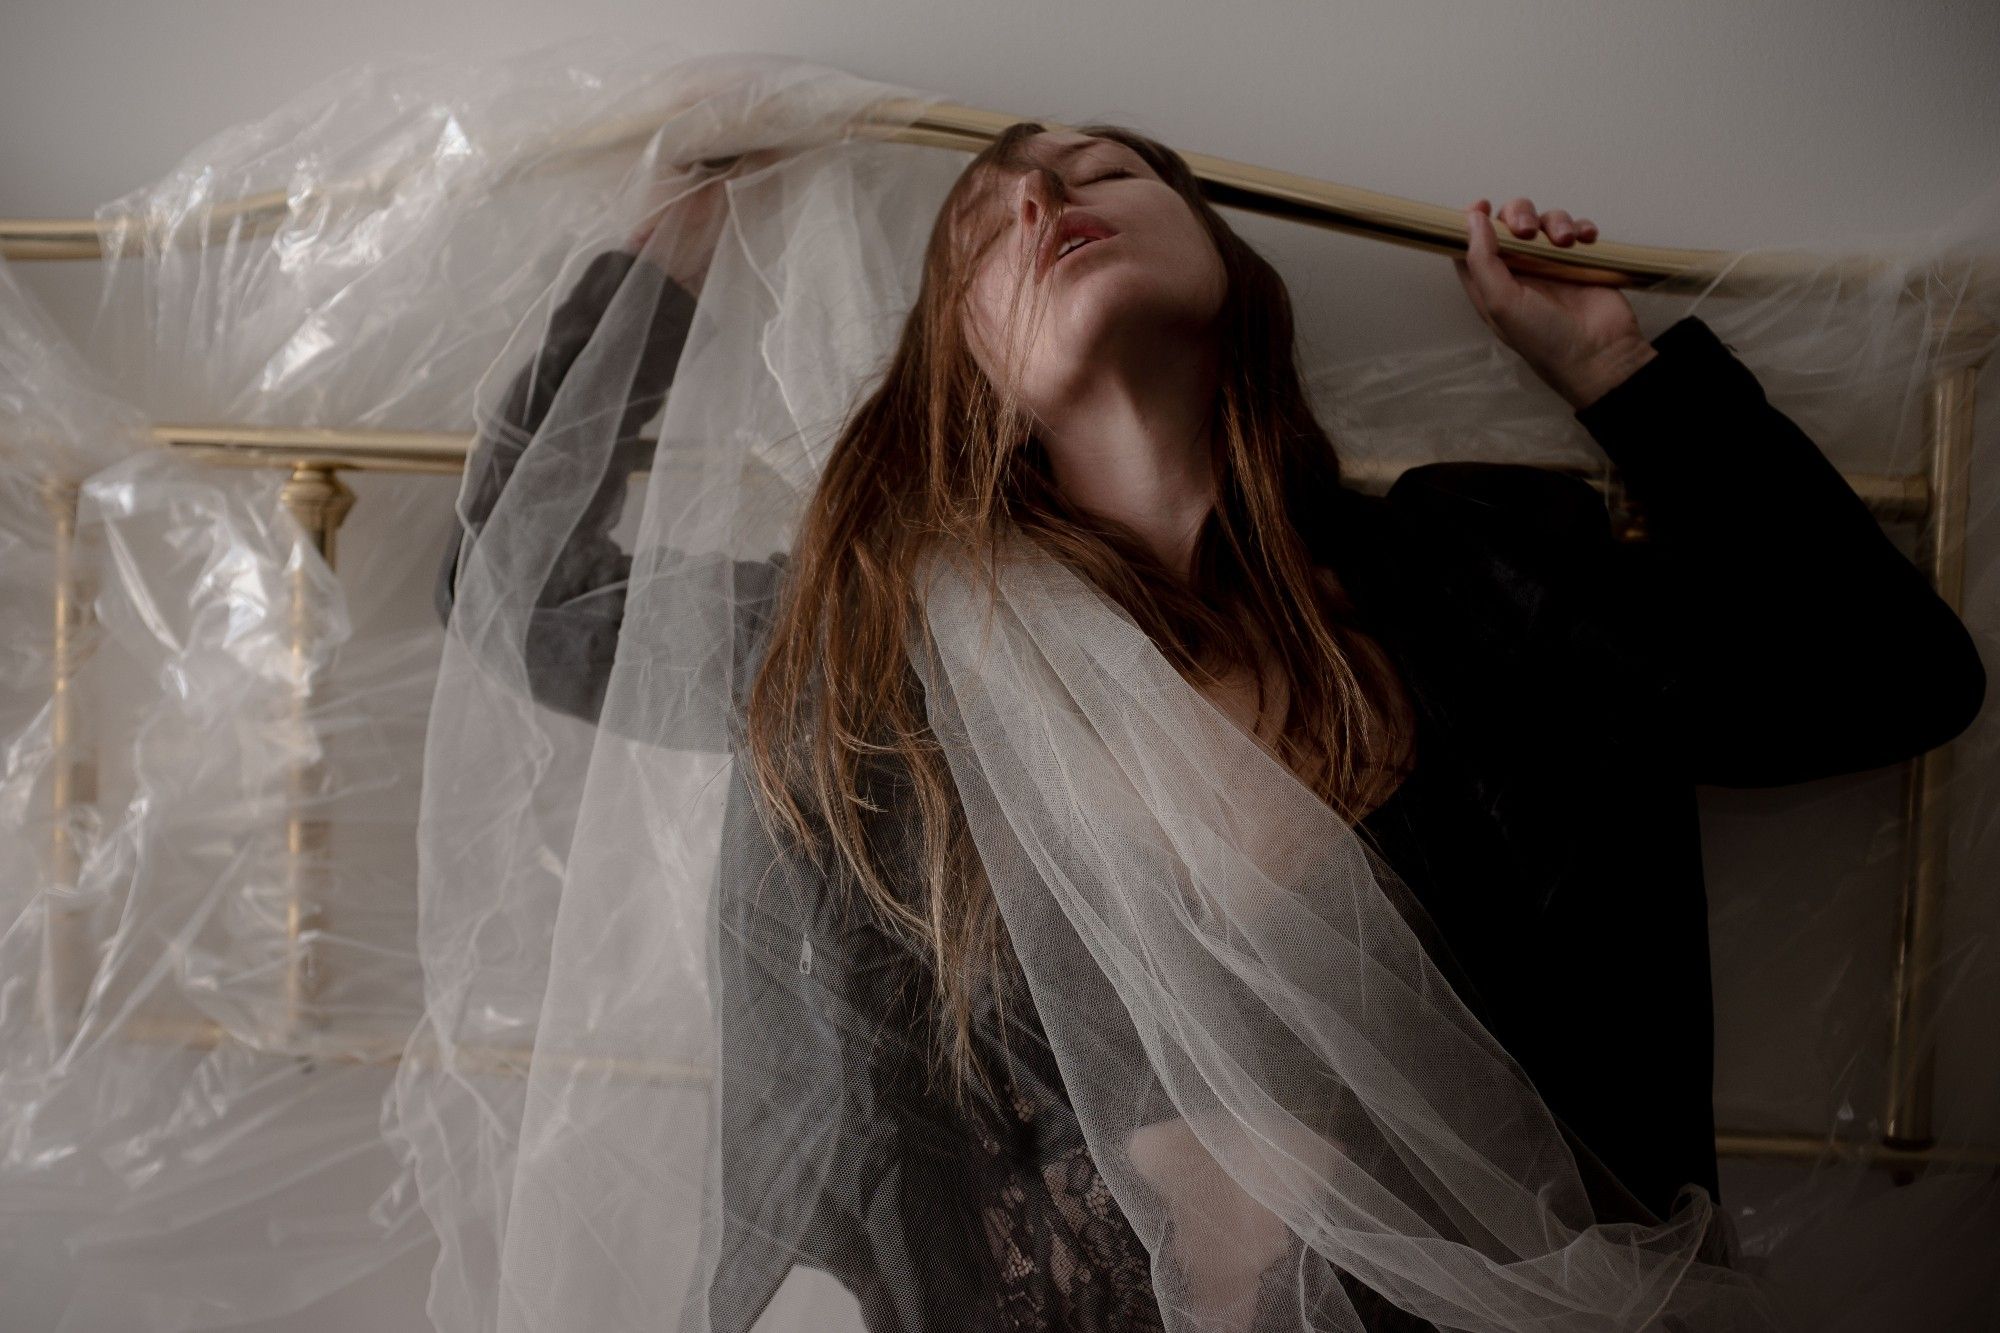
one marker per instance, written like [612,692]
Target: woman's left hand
[1579,338]
[684,215]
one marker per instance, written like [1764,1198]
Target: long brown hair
[939,453]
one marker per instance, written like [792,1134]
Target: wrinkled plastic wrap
[326,940]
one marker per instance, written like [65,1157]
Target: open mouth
[1074,244]
[1076,230]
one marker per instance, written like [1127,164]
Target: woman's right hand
[685,211]
[1581,339]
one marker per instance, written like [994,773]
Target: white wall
[1708,123]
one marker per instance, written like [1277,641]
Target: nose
[1033,196]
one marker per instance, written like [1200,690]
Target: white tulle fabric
[1272,1074]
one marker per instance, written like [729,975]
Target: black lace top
[1061,1254]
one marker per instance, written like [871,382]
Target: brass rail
[65,953]
[387,1049]
[1907,1121]
[1229,183]
[1892,499]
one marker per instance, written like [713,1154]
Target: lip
[1074,222]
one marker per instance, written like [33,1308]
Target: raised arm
[573,630]
[1769,628]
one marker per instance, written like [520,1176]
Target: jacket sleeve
[824,1115]
[572,635]
[1768,631]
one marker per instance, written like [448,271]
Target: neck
[1132,443]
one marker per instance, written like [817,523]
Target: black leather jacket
[1572,692]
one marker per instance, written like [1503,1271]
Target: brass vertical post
[316,497]
[72,778]
[1920,901]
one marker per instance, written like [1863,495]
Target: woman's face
[1153,272]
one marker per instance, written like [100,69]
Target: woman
[1511,705]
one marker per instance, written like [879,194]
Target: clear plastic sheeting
[329,937]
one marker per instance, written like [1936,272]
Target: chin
[1096,316]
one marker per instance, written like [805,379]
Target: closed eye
[1113,174]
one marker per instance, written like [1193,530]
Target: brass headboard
[1935,500]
